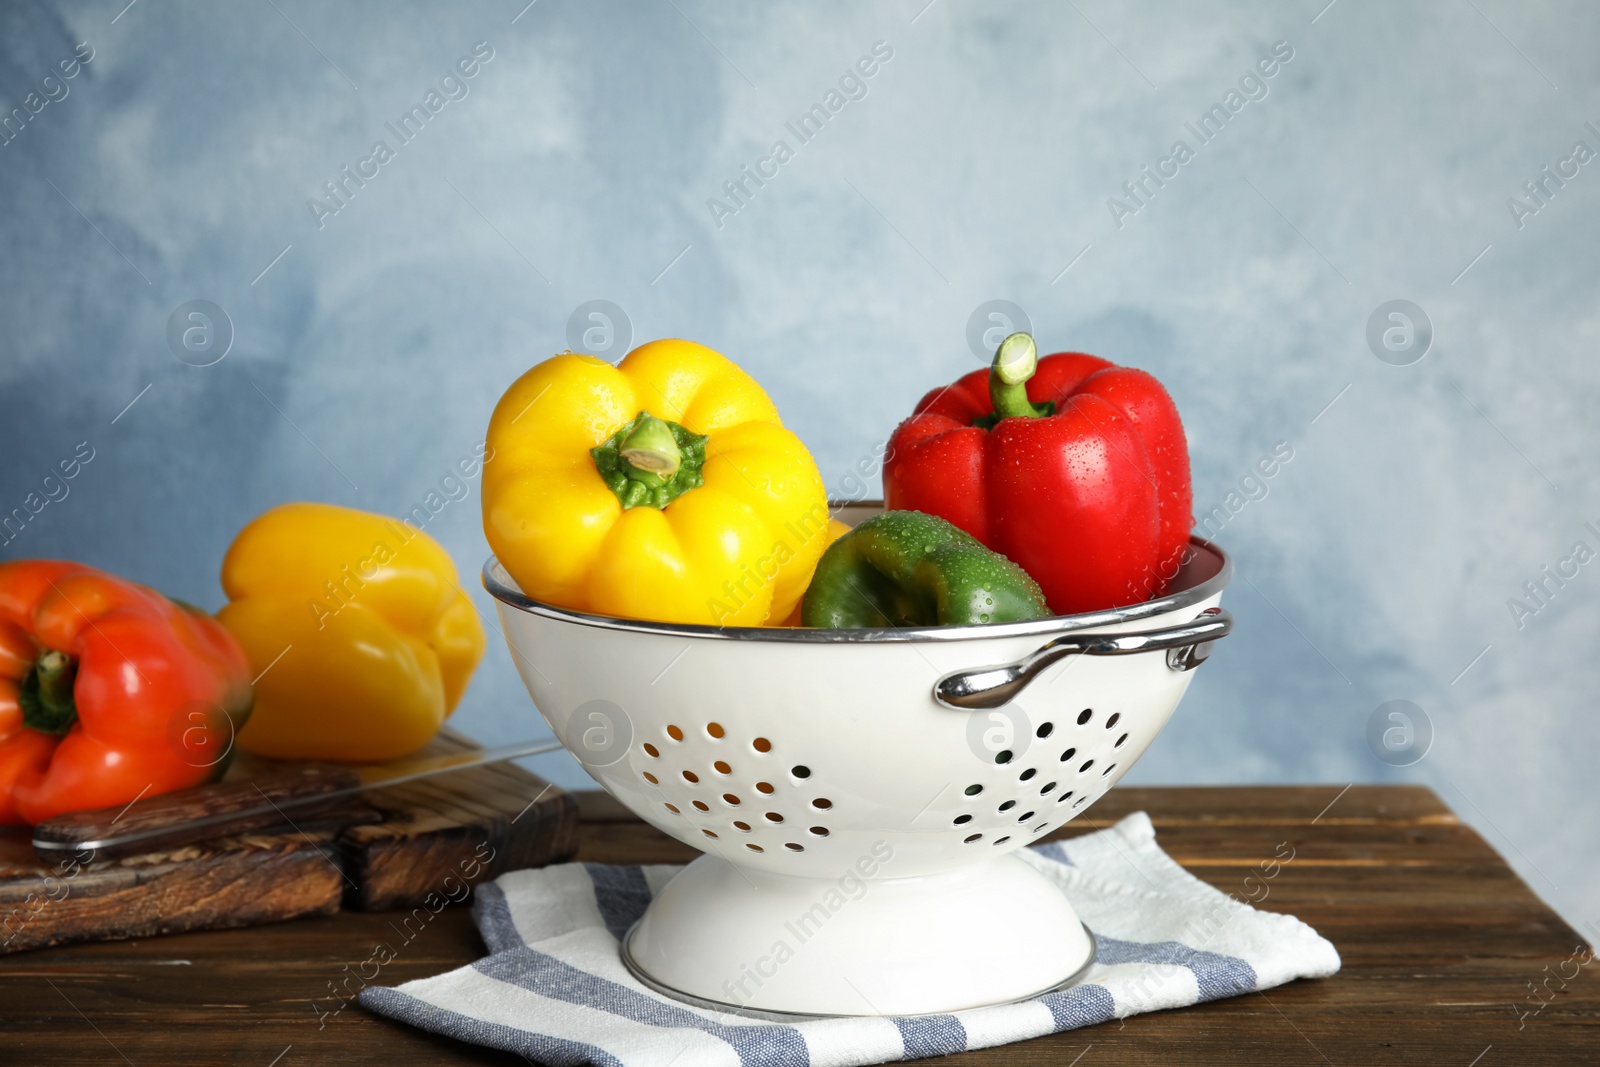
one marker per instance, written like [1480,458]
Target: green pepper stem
[1014,363]
[46,694]
[650,461]
[651,448]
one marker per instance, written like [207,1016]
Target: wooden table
[1441,945]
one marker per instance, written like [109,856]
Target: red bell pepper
[1074,468]
[108,691]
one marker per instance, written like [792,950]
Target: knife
[223,809]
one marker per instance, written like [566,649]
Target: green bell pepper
[904,568]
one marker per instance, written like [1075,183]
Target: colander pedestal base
[751,940]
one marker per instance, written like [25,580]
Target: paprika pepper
[358,628]
[1073,467]
[662,488]
[108,692]
[905,568]
[836,530]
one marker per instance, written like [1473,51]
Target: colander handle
[1187,645]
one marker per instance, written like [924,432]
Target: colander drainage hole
[1003,756]
[962,820]
[690,776]
[741,826]
[792,847]
[970,839]
[822,803]
[674,809]
[652,779]
[709,833]
[1025,816]
[722,768]
[1041,826]
[674,733]
[1044,730]
[1008,805]
[1086,765]
[1116,716]
[1121,741]
[761,744]
[973,790]
[1068,754]
[820,831]
[1064,797]
[730,798]
[1085,715]
[1046,790]
[765,787]
[1080,802]
[1108,770]
[754,848]
[773,816]
[651,751]
[1025,775]
[701,805]
[715,730]
[801,772]
[1001,840]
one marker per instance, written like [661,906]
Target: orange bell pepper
[108,691]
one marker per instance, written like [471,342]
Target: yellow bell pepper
[357,628]
[661,488]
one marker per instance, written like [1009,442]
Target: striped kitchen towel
[554,989]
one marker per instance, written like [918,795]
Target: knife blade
[223,809]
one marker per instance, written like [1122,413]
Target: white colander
[858,793]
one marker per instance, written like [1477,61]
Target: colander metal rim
[500,585]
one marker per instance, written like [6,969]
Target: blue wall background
[1376,565]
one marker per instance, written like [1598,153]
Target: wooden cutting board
[420,844]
